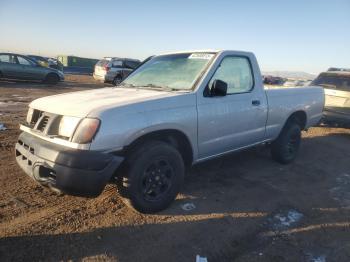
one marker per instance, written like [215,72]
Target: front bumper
[70,171]
[61,77]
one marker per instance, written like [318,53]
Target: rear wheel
[51,79]
[117,80]
[154,175]
[285,148]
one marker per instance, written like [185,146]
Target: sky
[294,35]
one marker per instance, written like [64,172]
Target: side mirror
[218,88]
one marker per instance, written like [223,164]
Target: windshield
[176,71]
[339,82]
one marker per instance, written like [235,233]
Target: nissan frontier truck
[173,111]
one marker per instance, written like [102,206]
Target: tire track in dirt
[45,215]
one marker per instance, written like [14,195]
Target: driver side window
[23,61]
[237,73]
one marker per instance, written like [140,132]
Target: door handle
[256,102]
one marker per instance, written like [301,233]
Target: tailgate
[99,70]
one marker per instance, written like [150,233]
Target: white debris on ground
[201,259]
[2,127]
[312,258]
[286,219]
[188,206]
[341,192]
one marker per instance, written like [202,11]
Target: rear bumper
[74,172]
[333,115]
[109,77]
[99,77]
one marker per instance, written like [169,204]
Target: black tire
[51,79]
[117,80]
[153,178]
[285,148]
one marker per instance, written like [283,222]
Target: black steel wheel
[285,148]
[153,176]
[157,179]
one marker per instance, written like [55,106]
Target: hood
[80,104]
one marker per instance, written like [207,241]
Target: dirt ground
[245,206]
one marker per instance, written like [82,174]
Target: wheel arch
[52,73]
[174,137]
[299,117]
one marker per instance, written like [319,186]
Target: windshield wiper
[165,88]
[128,85]
[151,86]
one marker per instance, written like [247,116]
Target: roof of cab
[208,51]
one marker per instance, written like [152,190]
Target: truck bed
[284,101]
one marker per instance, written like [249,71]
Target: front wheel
[154,176]
[285,148]
[51,79]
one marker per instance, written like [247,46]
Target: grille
[43,123]
[27,148]
[36,116]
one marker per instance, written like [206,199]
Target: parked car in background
[47,62]
[173,111]
[273,80]
[114,70]
[15,66]
[333,69]
[293,83]
[337,93]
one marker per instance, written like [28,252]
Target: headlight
[67,126]
[30,115]
[86,130]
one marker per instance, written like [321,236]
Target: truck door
[230,122]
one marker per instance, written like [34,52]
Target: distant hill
[290,74]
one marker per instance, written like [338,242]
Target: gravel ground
[241,207]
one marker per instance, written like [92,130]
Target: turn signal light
[86,130]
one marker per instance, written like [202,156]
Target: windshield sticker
[201,56]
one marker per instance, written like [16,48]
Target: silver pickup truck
[174,111]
